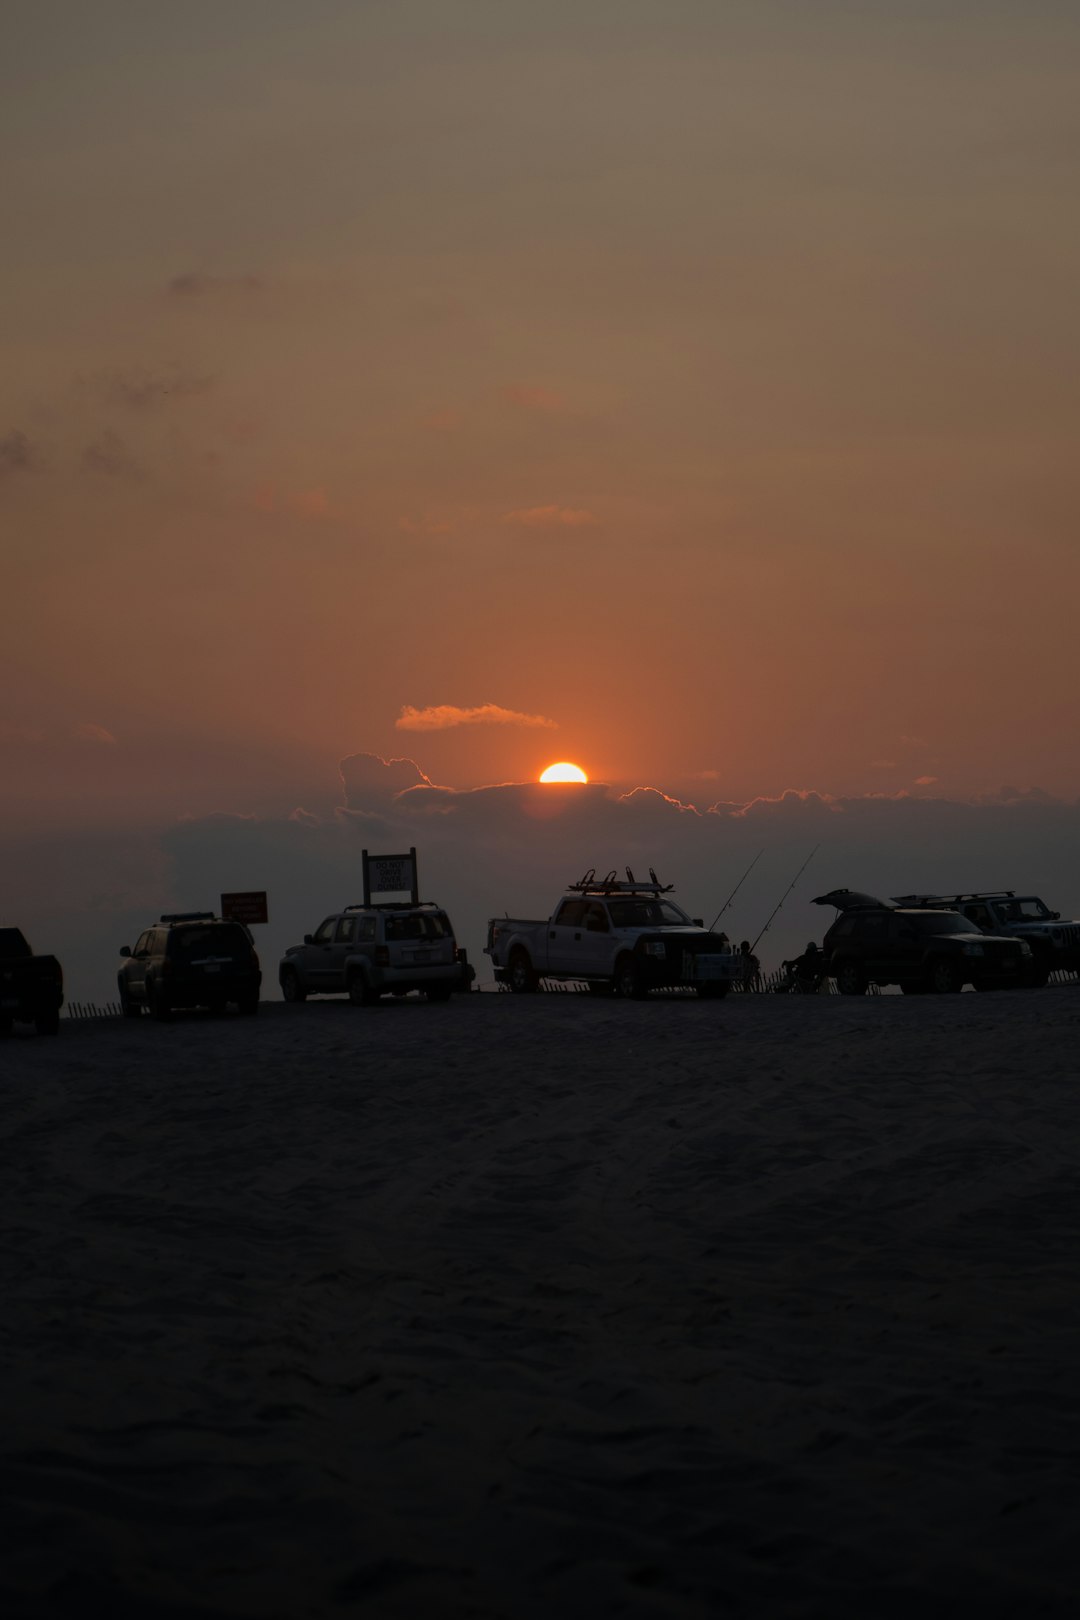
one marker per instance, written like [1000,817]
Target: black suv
[918,949]
[189,959]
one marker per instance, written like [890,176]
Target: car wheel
[129,1008]
[944,977]
[158,1002]
[628,981]
[48,1023]
[291,988]
[523,981]
[360,992]
[850,979]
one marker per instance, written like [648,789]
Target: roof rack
[397,905]
[591,884]
[953,899]
[188,916]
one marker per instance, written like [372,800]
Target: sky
[686,390]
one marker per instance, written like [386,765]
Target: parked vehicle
[189,959]
[366,952]
[622,937]
[31,987]
[918,948]
[1054,944]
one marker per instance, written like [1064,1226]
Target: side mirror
[698,922]
[307,939]
[1055,915]
[125,950]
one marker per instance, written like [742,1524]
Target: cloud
[142,390]
[17,454]
[551,517]
[192,284]
[651,796]
[440,717]
[89,732]
[110,456]
[883,765]
[925,781]
[533,398]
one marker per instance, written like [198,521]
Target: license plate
[420,956]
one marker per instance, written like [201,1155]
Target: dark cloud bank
[514,846]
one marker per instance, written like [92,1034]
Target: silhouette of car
[366,952]
[917,948]
[31,987]
[189,959]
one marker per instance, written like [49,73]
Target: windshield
[647,914]
[1029,910]
[940,922]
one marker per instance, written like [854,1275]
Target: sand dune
[541,1306]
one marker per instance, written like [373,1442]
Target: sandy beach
[529,1306]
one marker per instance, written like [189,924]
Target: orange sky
[696,378]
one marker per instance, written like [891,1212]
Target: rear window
[423,925]
[222,939]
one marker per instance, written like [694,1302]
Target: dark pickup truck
[31,987]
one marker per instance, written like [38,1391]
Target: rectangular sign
[389,874]
[247,906]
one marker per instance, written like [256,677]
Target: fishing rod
[736,889]
[785,894]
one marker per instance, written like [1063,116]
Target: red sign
[249,907]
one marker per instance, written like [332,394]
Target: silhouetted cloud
[17,454]
[111,457]
[551,517]
[141,390]
[193,284]
[440,717]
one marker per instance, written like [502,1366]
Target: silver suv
[366,952]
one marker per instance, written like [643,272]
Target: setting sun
[564,772]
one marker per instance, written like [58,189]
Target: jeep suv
[366,952]
[1055,945]
[189,959]
[918,949]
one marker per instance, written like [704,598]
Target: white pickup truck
[621,938]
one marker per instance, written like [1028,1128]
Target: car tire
[129,1008]
[944,977]
[850,979]
[158,1002]
[361,993]
[291,988]
[629,984]
[48,1023]
[522,978]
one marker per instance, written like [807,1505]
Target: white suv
[366,952]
